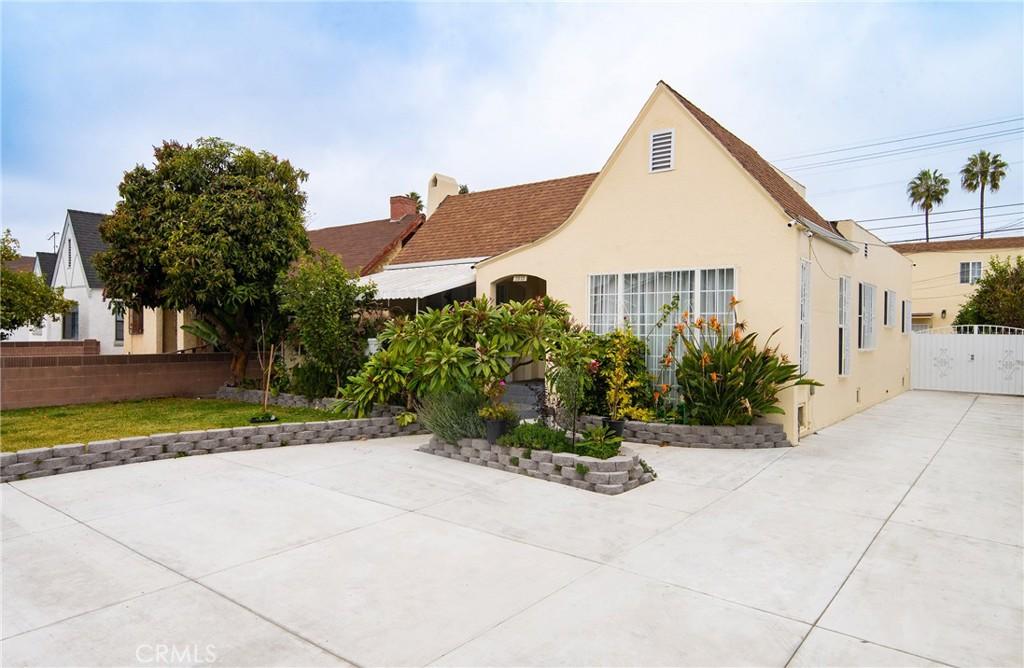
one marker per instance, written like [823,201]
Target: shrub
[599,442]
[452,415]
[502,412]
[620,349]
[467,344]
[537,437]
[312,381]
[998,299]
[726,379]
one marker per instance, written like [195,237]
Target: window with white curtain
[805,316]
[643,296]
[844,326]
[866,317]
[970,272]
[889,310]
[637,298]
[604,303]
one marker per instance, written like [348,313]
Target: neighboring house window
[805,316]
[866,317]
[119,327]
[135,321]
[69,254]
[889,309]
[844,326]
[637,298]
[69,326]
[970,272]
[905,317]
[663,150]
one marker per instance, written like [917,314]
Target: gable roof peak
[768,176]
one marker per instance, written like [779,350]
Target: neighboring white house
[91,318]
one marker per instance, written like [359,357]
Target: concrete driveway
[891,539]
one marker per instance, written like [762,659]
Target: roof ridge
[91,213]
[334,227]
[531,183]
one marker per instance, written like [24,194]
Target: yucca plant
[726,378]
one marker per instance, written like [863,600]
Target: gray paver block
[102,446]
[68,450]
[35,454]
[89,458]
[56,462]
[21,468]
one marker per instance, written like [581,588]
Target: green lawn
[81,423]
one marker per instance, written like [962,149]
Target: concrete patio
[891,539]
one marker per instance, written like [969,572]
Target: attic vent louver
[663,150]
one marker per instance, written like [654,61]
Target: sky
[371,99]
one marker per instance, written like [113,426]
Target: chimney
[439,187]
[401,206]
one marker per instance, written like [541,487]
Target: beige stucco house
[945,273]
[685,208]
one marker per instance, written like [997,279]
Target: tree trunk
[983,210]
[239,362]
[927,236]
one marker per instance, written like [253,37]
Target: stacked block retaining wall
[701,436]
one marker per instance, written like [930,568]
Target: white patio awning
[421,280]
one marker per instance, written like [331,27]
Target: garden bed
[701,436]
[614,475]
[280,399]
[40,462]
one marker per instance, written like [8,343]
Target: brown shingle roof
[22,263]
[363,246]
[762,171]
[489,222]
[959,244]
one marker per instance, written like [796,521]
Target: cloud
[372,99]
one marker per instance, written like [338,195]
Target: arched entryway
[518,288]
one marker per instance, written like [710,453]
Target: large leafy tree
[926,191]
[25,299]
[998,298]
[983,170]
[209,227]
[328,315]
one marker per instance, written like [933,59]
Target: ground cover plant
[597,442]
[55,425]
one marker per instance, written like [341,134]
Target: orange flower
[714,377]
[733,301]
[686,315]
[680,327]
[705,360]
[713,323]
[664,388]
[736,335]
[699,323]
[657,395]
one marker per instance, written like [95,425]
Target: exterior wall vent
[663,145]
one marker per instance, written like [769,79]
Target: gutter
[815,231]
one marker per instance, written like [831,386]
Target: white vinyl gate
[968,358]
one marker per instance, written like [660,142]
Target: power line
[898,140]
[905,150]
[940,213]
[944,220]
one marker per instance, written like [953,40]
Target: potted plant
[497,418]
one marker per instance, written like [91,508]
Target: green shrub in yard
[536,436]
[599,442]
[452,415]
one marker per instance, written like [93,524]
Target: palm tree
[983,169]
[927,190]
[463,189]
[415,197]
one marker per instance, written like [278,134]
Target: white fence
[968,358]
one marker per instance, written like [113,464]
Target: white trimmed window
[844,326]
[663,149]
[604,303]
[866,317]
[889,309]
[805,316]
[970,272]
[906,320]
[637,298]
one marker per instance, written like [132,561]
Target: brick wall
[49,348]
[54,380]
